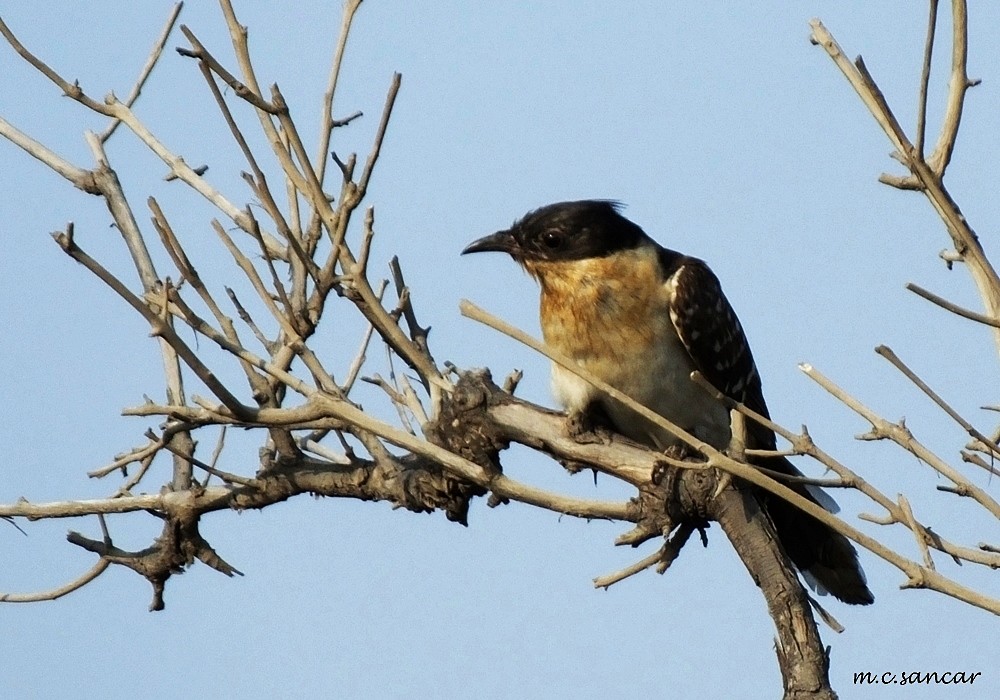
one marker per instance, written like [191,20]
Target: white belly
[660,380]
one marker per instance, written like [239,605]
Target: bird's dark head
[590,228]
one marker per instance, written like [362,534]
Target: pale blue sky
[728,136]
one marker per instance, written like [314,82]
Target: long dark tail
[825,557]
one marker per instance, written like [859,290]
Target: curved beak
[499,242]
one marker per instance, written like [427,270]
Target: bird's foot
[681,453]
[590,425]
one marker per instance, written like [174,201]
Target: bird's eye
[552,239]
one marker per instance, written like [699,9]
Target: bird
[642,318]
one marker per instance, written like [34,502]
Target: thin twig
[121,211]
[925,552]
[199,52]
[972,458]
[417,332]
[323,451]
[99,568]
[901,435]
[383,124]
[216,453]
[887,353]
[260,183]
[925,76]
[361,355]
[180,309]
[397,399]
[803,444]
[951,306]
[276,282]
[958,86]
[609,580]
[245,316]
[72,90]
[256,282]
[154,57]
[872,99]
[367,235]
[328,123]
[190,274]
[784,478]
[226,477]
[126,488]
[134,455]
[164,330]
[80,178]
[413,401]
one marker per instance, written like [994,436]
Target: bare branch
[150,449]
[226,477]
[81,179]
[888,354]
[925,76]
[870,95]
[652,560]
[328,123]
[901,435]
[126,488]
[801,656]
[390,100]
[417,332]
[72,90]
[99,568]
[154,58]
[361,355]
[928,176]
[953,307]
[66,242]
[250,95]
[958,85]
[917,531]
[972,458]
